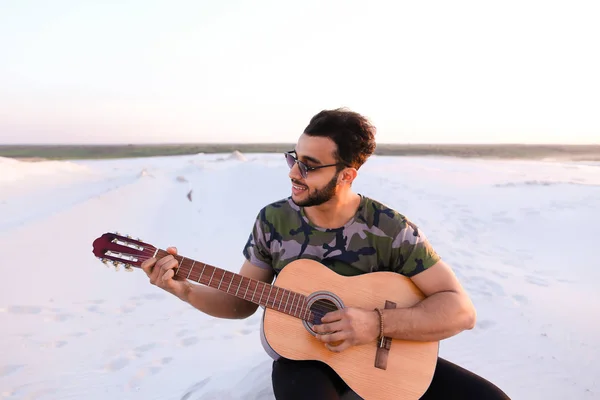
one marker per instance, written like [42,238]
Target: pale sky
[142,71]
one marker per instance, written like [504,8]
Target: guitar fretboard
[252,290]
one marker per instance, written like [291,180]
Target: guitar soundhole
[319,308]
[321,303]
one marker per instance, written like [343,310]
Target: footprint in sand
[503,220]
[24,309]
[58,343]
[535,280]
[485,324]
[136,380]
[10,369]
[520,299]
[189,341]
[151,369]
[182,332]
[145,348]
[53,344]
[36,394]
[500,274]
[537,273]
[564,280]
[117,364]
[94,309]
[126,309]
[62,317]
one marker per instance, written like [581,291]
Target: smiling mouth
[297,187]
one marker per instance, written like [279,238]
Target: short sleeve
[416,252]
[256,249]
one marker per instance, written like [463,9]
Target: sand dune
[521,235]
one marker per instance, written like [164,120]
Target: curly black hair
[352,133]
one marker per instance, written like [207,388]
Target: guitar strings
[320,307]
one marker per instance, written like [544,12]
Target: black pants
[314,380]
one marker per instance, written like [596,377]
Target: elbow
[470,321]
[244,309]
[467,313]
[465,316]
[469,318]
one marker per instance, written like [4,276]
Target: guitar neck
[257,292]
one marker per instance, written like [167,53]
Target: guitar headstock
[122,250]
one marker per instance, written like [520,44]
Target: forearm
[217,303]
[437,317]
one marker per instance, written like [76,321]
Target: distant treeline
[62,152]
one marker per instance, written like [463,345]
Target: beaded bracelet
[380,312]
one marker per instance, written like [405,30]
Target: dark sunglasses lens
[290,160]
[302,168]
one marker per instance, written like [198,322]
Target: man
[325,220]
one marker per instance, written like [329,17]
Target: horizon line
[292,143]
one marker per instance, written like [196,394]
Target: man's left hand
[348,327]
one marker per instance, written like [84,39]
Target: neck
[255,291]
[336,212]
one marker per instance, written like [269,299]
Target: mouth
[297,189]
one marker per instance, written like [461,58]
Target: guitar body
[410,365]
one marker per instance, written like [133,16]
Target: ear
[348,175]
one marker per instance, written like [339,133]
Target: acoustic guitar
[304,291]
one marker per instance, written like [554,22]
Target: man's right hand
[162,271]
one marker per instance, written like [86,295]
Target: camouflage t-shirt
[377,238]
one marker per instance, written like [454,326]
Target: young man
[325,220]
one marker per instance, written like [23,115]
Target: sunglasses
[291,161]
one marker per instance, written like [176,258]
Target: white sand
[522,236]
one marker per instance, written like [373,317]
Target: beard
[319,196]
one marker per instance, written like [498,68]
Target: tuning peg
[128,268]
[128,236]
